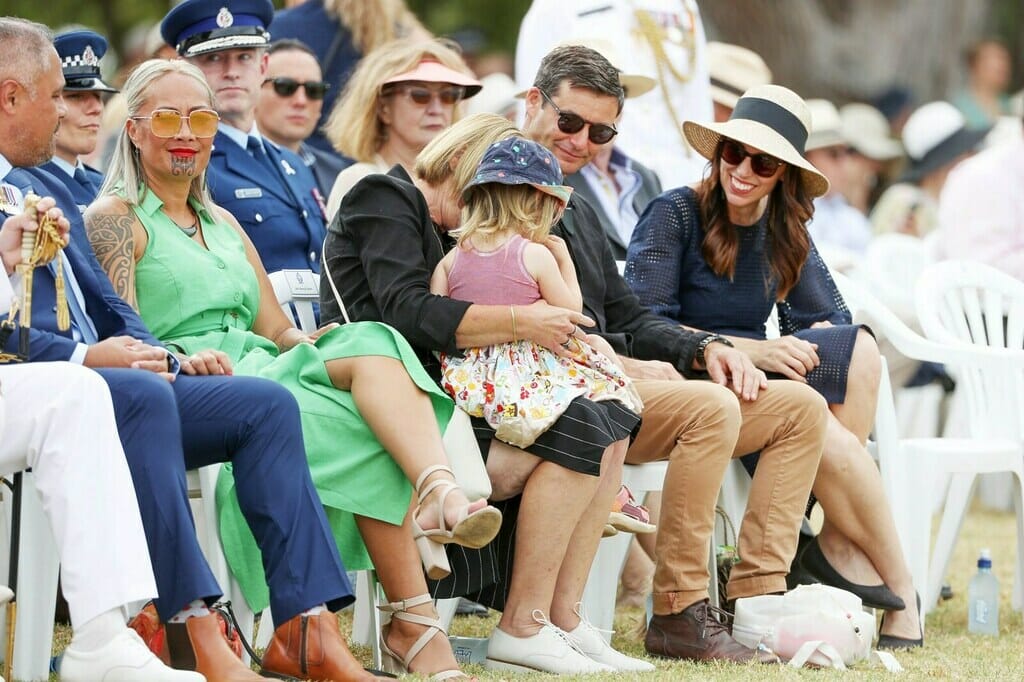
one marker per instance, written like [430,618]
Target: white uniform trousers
[57,418]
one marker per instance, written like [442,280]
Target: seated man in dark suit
[615,185]
[168,421]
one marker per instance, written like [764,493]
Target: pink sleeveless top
[496,277]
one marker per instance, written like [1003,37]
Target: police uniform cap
[80,53]
[199,26]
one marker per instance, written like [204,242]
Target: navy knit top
[667,271]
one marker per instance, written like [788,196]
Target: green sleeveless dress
[199,299]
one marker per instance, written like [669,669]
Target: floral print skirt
[522,388]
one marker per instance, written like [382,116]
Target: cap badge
[224,17]
[89,57]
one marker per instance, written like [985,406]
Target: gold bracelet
[515,334]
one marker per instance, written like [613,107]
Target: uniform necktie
[260,154]
[80,320]
[83,179]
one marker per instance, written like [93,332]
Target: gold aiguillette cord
[37,248]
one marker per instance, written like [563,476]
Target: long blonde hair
[375,22]
[494,207]
[354,126]
[125,176]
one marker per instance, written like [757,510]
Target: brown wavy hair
[789,209]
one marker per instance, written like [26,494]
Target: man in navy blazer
[266,187]
[168,421]
[80,53]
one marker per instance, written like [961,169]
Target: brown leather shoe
[696,634]
[198,644]
[312,648]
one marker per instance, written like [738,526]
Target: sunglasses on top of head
[570,124]
[167,122]
[763,165]
[421,96]
[286,87]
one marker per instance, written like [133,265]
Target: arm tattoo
[114,243]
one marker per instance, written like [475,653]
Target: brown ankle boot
[312,648]
[695,634]
[198,644]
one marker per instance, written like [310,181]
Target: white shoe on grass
[125,658]
[551,650]
[591,642]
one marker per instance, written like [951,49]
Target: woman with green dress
[372,418]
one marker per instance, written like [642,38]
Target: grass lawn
[949,652]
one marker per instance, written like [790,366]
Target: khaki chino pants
[699,426]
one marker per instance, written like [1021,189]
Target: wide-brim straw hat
[430,70]
[770,118]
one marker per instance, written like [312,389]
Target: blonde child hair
[492,208]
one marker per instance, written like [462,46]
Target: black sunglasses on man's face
[286,87]
[570,124]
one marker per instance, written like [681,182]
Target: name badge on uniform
[248,193]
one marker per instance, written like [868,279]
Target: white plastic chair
[301,289]
[599,593]
[911,467]
[968,303]
[889,270]
[38,567]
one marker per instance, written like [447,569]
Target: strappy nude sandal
[391,661]
[473,530]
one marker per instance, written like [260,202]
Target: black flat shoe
[893,642]
[873,596]
[797,575]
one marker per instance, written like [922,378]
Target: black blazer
[650,187]
[382,247]
[381,250]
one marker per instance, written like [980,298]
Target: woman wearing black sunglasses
[398,99]
[720,256]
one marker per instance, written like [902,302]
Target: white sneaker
[125,658]
[591,642]
[551,650]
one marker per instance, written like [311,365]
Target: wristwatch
[702,347]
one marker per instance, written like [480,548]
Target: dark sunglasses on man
[286,87]
[570,124]
[763,165]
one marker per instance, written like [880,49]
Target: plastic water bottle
[983,599]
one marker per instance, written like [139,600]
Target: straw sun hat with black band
[770,118]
